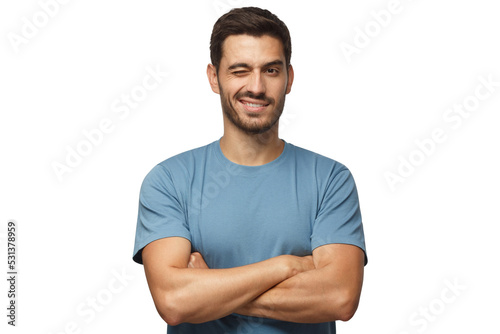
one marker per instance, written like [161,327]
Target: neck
[252,149]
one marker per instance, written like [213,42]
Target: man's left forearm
[328,293]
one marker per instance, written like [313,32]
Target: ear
[290,79]
[212,78]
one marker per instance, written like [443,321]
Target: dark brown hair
[251,21]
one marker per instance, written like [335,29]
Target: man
[251,234]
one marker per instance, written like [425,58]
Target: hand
[296,265]
[196,261]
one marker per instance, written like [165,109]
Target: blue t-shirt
[236,215]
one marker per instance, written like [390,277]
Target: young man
[251,234]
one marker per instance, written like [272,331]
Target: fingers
[192,259]
[196,261]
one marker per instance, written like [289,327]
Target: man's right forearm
[199,295]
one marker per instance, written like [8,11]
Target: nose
[256,84]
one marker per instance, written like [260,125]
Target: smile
[253,107]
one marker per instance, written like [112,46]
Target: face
[252,82]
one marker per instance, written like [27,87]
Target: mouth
[253,106]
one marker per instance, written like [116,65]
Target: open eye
[272,71]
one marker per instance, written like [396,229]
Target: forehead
[252,49]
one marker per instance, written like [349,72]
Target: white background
[436,228]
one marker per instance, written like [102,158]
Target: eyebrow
[245,65]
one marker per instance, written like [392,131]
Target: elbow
[170,310]
[347,313]
[171,318]
[346,306]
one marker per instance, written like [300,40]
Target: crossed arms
[319,288]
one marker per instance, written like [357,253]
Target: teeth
[253,105]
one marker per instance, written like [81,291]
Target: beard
[252,124]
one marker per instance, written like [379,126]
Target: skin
[323,287]
[262,78]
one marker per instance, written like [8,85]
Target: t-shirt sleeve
[161,213]
[339,217]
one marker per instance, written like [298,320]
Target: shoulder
[178,166]
[187,158]
[316,162]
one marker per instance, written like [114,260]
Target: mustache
[261,97]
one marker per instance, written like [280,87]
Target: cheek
[280,92]
[234,83]
[279,87]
